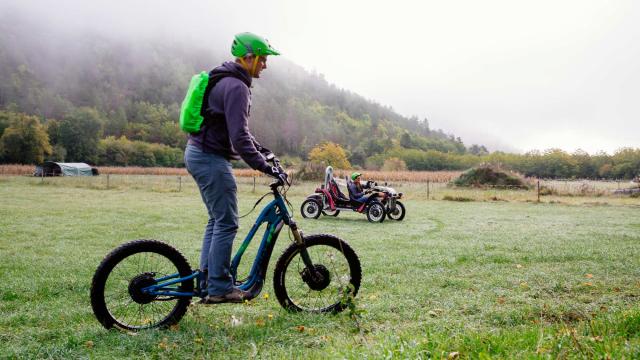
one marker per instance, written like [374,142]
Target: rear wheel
[117,297]
[398,213]
[328,287]
[310,209]
[376,211]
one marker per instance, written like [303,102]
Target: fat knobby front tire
[337,280]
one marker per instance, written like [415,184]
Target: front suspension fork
[304,254]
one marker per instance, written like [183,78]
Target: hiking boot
[235,296]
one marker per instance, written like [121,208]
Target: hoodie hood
[232,69]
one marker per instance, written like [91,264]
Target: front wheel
[117,295]
[398,213]
[310,209]
[376,212]
[328,287]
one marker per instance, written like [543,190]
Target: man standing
[225,136]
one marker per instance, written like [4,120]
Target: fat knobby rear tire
[122,252]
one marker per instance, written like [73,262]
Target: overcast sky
[516,75]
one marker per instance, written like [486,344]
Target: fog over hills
[47,69]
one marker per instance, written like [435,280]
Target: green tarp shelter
[50,168]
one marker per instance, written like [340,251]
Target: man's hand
[279,174]
[284,178]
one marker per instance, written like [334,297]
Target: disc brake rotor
[318,281]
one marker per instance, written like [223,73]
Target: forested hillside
[68,95]
[116,102]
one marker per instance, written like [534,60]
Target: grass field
[479,279]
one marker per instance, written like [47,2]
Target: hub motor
[322,277]
[137,284]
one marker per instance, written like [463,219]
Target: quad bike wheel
[310,209]
[376,212]
[398,213]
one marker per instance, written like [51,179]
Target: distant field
[553,191]
[437,181]
[120,170]
[413,176]
[479,279]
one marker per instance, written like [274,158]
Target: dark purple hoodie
[226,128]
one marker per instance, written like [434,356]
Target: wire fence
[159,183]
[536,189]
[430,190]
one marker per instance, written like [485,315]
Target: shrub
[457,198]
[394,164]
[124,152]
[546,190]
[490,176]
[374,162]
[310,171]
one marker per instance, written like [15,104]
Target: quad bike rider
[357,191]
[387,196]
[329,200]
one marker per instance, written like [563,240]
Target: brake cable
[284,195]
[255,205]
[288,203]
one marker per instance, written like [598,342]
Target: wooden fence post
[254,183]
[179,183]
[538,190]
[427,189]
[107,181]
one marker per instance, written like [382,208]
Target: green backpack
[191,110]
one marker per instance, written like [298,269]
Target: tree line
[551,163]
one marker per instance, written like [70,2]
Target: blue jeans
[361,199]
[218,189]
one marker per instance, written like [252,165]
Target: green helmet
[248,43]
[355,175]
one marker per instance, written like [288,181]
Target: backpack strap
[213,81]
[208,119]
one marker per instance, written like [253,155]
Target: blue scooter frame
[276,215]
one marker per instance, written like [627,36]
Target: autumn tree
[24,141]
[330,154]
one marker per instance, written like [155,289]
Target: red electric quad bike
[329,200]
